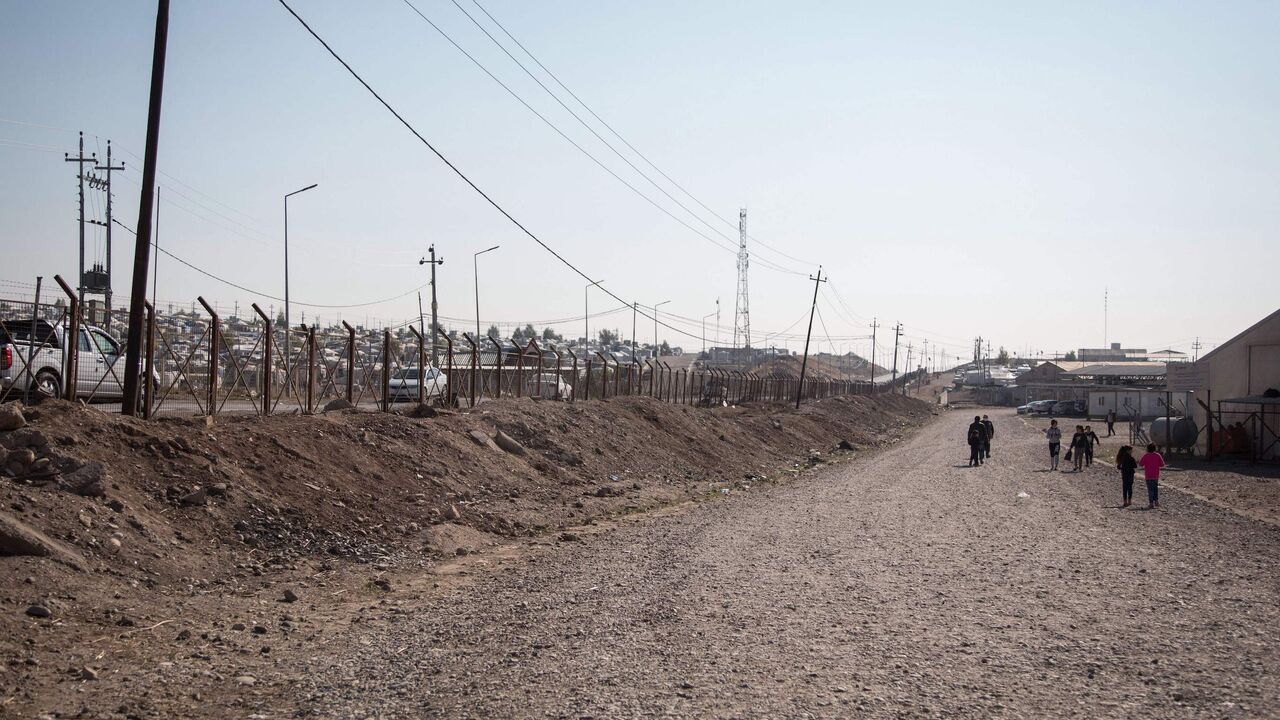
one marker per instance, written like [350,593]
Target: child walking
[1094,440]
[1054,434]
[1151,463]
[1128,468]
[1079,443]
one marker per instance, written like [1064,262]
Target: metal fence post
[533,343]
[587,395]
[148,369]
[311,369]
[448,381]
[604,376]
[72,340]
[386,370]
[519,367]
[559,369]
[422,369]
[215,324]
[474,359]
[351,361]
[268,343]
[574,355]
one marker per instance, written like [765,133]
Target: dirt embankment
[110,525]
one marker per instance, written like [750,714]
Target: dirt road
[902,585]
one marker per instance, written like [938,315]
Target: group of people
[981,430]
[1080,452]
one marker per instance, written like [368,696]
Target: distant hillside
[822,367]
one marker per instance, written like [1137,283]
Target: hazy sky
[966,169]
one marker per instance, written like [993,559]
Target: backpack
[974,436]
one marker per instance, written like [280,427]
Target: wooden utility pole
[812,308]
[897,332]
[80,160]
[875,323]
[142,248]
[434,307]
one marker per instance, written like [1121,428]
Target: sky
[965,169]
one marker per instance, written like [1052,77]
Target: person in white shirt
[1054,434]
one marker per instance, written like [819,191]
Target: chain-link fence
[202,359]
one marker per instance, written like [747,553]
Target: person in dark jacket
[977,437]
[991,433]
[1128,468]
[1094,441]
[1079,441]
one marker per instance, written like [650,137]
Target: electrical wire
[546,121]
[462,175]
[260,294]
[615,133]
[582,122]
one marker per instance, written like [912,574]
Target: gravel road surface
[900,584]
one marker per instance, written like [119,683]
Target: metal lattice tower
[742,312]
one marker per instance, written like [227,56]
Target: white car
[548,385]
[403,386]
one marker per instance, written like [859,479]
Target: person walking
[1151,463]
[1128,468]
[1079,441]
[990,427]
[1111,422]
[1054,435]
[977,438]
[1094,440]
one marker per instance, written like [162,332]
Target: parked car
[38,362]
[403,386]
[548,385]
[1039,407]
[1067,408]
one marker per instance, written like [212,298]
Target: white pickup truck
[99,370]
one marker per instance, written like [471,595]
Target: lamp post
[586,321]
[287,327]
[655,327]
[704,327]
[475,268]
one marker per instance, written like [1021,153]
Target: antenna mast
[742,312]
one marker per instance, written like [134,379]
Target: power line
[541,117]
[615,133]
[462,175]
[575,115]
[258,293]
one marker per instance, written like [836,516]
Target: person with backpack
[1075,453]
[1054,434]
[1128,468]
[1151,463]
[977,437]
[990,427]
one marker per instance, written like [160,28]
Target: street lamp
[655,327]
[287,328]
[475,268]
[586,322]
[704,326]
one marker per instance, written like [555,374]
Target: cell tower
[742,311]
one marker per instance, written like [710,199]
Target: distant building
[1115,353]
[1238,381]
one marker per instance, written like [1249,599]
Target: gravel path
[902,584]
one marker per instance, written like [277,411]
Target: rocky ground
[902,584]
[178,568]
